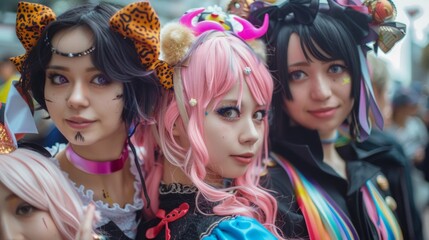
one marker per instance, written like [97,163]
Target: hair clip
[193,102]
[247,70]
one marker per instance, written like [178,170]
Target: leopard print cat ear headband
[31,20]
[137,21]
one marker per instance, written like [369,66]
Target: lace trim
[165,189]
[214,225]
[120,216]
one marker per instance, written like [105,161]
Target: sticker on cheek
[346,80]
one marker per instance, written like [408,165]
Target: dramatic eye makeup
[57,79]
[296,75]
[229,112]
[101,80]
[337,68]
[24,209]
[260,115]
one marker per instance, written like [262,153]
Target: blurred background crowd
[400,78]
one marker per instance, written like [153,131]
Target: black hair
[325,33]
[114,55]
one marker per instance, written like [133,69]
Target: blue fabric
[240,228]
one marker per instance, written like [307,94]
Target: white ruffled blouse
[124,218]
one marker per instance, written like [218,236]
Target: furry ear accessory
[139,22]
[31,20]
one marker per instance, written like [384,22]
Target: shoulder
[379,149]
[276,177]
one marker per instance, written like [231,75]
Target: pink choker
[97,167]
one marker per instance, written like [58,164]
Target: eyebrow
[235,102]
[62,68]
[298,64]
[12,196]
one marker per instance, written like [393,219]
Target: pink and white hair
[37,181]
[213,66]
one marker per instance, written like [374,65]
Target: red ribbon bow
[175,214]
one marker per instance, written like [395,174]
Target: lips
[244,158]
[323,112]
[79,122]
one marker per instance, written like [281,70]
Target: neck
[97,167]
[174,174]
[333,159]
[329,139]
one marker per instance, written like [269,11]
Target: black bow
[301,11]
[357,22]
[304,12]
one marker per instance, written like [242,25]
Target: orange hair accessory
[31,19]
[381,10]
[139,22]
[6,142]
[16,120]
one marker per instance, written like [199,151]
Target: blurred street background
[408,61]
[405,58]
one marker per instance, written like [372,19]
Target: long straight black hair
[325,39]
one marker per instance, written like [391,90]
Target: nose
[9,229]
[78,96]
[250,132]
[321,88]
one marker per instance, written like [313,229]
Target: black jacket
[383,151]
[302,148]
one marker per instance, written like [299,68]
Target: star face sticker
[346,80]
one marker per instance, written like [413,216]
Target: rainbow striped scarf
[325,220]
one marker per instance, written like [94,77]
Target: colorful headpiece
[178,37]
[239,7]
[368,22]
[215,19]
[17,120]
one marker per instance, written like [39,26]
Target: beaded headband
[72,55]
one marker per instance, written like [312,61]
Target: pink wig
[213,66]
[36,180]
